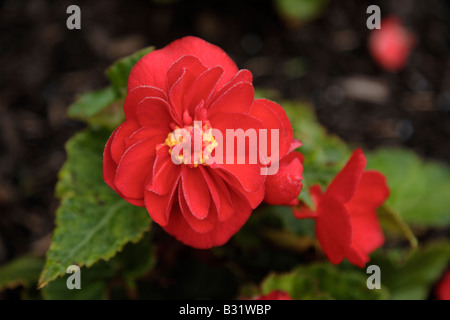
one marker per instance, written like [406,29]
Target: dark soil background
[43,66]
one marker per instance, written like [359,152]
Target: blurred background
[313,50]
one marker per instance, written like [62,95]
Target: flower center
[191,145]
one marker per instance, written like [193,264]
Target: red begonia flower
[274,295]
[391,45]
[443,287]
[202,204]
[346,220]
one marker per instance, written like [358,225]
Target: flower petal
[137,95]
[186,64]
[284,187]
[135,167]
[165,172]
[273,116]
[371,193]
[159,207]
[344,185]
[152,68]
[219,235]
[198,225]
[202,88]
[154,113]
[195,191]
[144,133]
[333,229]
[242,76]
[118,144]
[219,194]
[237,99]
[253,198]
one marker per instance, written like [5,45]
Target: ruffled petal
[253,198]
[219,235]
[159,207]
[237,99]
[202,88]
[137,95]
[219,194]
[152,68]
[242,76]
[198,225]
[155,113]
[118,144]
[186,64]
[135,167]
[165,172]
[274,117]
[195,191]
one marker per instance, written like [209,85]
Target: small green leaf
[23,271]
[92,222]
[118,73]
[413,279]
[419,189]
[323,281]
[104,107]
[101,108]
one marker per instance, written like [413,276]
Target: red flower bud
[391,45]
[284,187]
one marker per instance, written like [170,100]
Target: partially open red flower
[274,295]
[391,45]
[443,287]
[346,220]
[192,86]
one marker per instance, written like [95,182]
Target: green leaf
[323,281]
[413,279]
[104,107]
[419,189]
[133,262]
[92,222]
[100,108]
[93,283]
[118,73]
[23,271]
